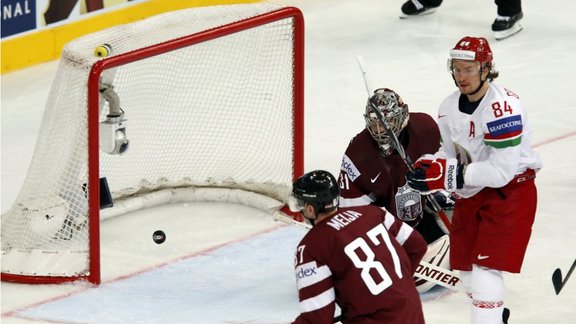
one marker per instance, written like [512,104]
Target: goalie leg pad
[437,254]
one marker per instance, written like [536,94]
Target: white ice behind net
[215,114]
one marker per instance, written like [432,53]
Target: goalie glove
[444,199]
[433,175]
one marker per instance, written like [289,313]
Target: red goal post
[201,104]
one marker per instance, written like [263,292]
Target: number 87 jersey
[362,259]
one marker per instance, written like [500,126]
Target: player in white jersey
[486,160]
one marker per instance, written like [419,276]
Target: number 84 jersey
[490,137]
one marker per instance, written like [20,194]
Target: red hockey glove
[433,175]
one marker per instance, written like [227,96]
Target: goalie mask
[318,188]
[394,112]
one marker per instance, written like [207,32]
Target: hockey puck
[159,237]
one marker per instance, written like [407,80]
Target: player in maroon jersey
[360,258]
[372,171]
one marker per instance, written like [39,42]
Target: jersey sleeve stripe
[504,143]
[404,233]
[502,137]
[400,230]
[504,132]
[318,301]
[349,167]
[389,220]
[308,274]
[351,202]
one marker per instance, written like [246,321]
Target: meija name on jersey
[342,219]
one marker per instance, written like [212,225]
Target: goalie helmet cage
[211,102]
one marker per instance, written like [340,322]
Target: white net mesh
[214,114]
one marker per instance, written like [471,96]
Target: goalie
[372,172]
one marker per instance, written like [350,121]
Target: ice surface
[233,264]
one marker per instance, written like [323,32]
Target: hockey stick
[427,271]
[399,148]
[557,278]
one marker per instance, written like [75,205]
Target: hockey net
[211,103]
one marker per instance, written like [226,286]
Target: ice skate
[414,8]
[504,27]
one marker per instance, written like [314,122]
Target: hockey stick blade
[557,280]
[427,271]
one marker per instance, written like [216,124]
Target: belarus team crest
[408,204]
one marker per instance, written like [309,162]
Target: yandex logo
[305,272]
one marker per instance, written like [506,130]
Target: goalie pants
[493,227]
